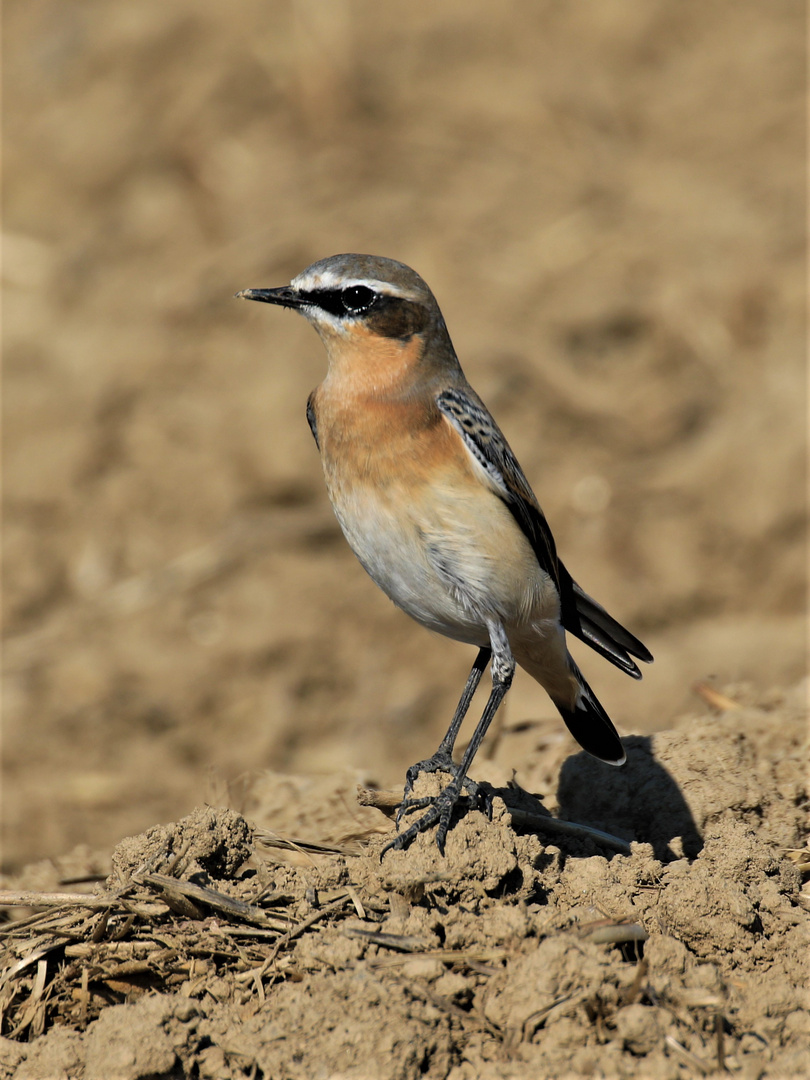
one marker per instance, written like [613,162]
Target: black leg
[473,679]
[441,807]
[442,760]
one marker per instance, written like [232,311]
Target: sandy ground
[607,200]
[674,947]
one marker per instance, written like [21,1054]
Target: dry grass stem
[714,698]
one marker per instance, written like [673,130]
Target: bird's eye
[357,298]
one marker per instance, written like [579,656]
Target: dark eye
[357,298]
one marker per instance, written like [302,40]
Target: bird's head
[368,310]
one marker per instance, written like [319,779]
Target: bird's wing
[581,615]
[592,624]
[484,440]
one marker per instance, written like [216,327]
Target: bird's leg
[442,805]
[442,760]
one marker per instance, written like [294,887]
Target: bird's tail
[589,723]
[556,671]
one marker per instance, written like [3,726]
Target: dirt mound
[218,950]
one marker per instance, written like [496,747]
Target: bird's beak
[285,296]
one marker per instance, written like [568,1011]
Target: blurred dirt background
[607,200]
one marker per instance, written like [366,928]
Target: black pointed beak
[285,296]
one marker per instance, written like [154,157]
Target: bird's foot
[440,762]
[439,810]
[439,807]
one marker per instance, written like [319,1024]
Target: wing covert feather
[581,615]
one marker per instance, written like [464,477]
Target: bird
[435,506]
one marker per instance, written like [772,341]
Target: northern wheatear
[438,511]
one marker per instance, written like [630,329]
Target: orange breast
[380,442]
[377,419]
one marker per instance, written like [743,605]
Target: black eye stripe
[353,300]
[326,299]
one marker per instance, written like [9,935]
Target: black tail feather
[592,727]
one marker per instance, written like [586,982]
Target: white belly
[453,566]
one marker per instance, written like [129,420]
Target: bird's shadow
[640,801]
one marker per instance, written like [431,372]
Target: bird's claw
[439,807]
[440,762]
[440,810]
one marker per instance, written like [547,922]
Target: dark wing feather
[312,420]
[581,615]
[588,620]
